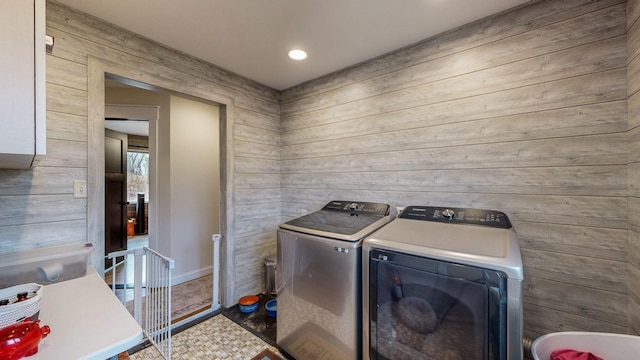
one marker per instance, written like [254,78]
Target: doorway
[127,169]
[185,193]
[134,112]
[115,192]
[98,70]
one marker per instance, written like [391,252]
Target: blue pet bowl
[248,308]
[271,307]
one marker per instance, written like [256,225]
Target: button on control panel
[448,213]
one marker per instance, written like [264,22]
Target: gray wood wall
[633,84]
[524,112]
[37,207]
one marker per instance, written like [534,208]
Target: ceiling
[128,126]
[252,37]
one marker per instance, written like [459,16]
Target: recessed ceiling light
[297,54]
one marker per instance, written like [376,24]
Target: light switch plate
[79,189]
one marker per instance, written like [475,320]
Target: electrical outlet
[79,189]
[303,212]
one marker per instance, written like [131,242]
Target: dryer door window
[426,309]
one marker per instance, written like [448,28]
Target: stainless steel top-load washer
[319,279]
[443,283]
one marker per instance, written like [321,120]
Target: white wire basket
[18,311]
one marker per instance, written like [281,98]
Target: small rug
[187,298]
[266,354]
[191,296]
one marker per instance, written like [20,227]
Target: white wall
[194,186]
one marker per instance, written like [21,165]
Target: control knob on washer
[448,213]
[353,206]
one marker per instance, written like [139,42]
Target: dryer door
[422,308]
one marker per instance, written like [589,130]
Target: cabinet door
[22,86]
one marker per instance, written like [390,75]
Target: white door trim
[97,70]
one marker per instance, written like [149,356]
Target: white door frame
[178,83]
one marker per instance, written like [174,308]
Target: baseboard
[193,320]
[179,279]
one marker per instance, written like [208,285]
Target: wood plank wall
[633,84]
[524,112]
[37,207]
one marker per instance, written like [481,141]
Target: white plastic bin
[606,345]
[44,265]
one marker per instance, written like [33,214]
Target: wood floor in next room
[187,299]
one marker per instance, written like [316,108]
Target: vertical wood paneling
[519,113]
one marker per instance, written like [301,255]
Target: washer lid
[344,220]
[485,246]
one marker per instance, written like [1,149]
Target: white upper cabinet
[22,83]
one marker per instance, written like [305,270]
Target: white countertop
[87,321]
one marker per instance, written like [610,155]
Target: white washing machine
[319,279]
[445,284]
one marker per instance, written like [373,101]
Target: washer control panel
[358,207]
[457,216]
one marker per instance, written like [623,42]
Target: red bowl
[248,304]
[248,300]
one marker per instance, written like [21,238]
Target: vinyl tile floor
[212,339]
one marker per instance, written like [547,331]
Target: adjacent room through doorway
[168,206]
